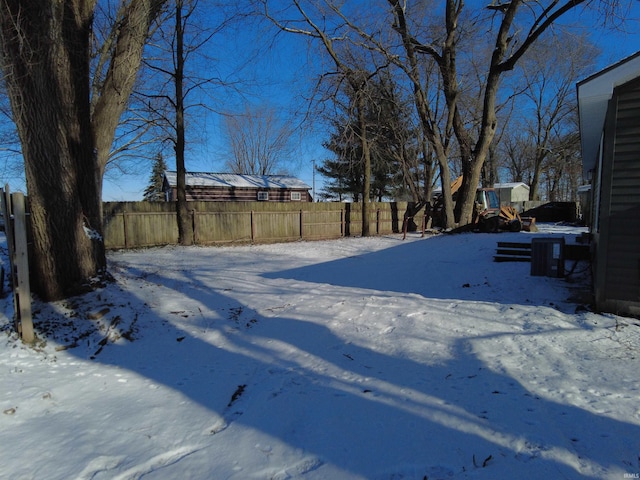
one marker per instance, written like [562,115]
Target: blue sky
[284,73]
[280,76]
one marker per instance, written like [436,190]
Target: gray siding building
[609,107]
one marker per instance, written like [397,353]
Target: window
[295,196]
[263,196]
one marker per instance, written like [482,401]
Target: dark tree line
[536,142]
[459,62]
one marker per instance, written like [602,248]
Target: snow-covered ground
[360,358]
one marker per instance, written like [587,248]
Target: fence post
[301,225]
[253,228]
[193,226]
[378,221]
[124,228]
[22,267]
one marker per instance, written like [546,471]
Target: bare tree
[439,139]
[45,55]
[348,66]
[517,153]
[514,30]
[259,141]
[472,78]
[562,173]
[124,152]
[180,74]
[549,72]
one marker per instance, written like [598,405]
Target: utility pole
[313,177]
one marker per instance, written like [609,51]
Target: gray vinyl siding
[622,263]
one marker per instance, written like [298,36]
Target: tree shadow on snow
[452,267]
[381,415]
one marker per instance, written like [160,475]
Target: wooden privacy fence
[145,224]
[15,225]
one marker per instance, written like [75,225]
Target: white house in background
[512,192]
[609,109]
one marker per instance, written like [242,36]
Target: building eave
[594,93]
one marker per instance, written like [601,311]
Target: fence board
[276,226]
[322,224]
[143,224]
[222,227]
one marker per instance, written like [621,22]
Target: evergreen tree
[393,145]
[153,192]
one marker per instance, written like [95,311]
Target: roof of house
[511,185]
[594,93]
[234,180]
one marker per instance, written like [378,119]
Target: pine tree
[392,143]
[154,193]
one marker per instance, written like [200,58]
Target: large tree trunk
[539,159]
[427,122]
[475,153]
[467,194]
[185,228]
[45,57]
[110,101]
[45,53]
[366,153]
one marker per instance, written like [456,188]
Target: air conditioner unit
[547,257]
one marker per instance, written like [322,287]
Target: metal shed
[609,108]
[512,192]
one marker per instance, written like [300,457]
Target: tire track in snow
[155,463]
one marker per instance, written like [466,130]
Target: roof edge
[608,69]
